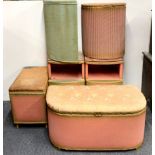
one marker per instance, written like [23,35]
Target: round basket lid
[60,2]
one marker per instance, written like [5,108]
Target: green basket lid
[59,2]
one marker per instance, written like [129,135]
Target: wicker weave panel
[103,31]
[61,30]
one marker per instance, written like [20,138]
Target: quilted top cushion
[108,99]
[31,79]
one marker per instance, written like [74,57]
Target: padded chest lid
[31,79]
[111,99]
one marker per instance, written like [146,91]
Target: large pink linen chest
[96,117]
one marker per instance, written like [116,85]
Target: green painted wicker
[61,29]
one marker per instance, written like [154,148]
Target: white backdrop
[24,38]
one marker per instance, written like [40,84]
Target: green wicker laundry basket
[61,29]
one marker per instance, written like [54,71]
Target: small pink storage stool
[110,117]
[27,96]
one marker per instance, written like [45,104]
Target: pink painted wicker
[27,95]
[104,72]
[103,30]
[29,109]
[96,117]
[69,72]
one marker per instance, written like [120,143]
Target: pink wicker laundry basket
[103,30]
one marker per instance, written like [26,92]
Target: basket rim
[102,5]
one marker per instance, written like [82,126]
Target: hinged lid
[31,79]
[111,99]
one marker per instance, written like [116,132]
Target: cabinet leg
[46,126]
[17,126]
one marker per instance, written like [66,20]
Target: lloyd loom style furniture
[110,117]
[103,30]
[27,95]
[103,72]
[96,117]
[61,29]
[70,72]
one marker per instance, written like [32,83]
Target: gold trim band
[16,122]
[27,93]
[66,62]
[91,62]
[64,82]
[95,114]
[92,82]
[103,61]
[102,6]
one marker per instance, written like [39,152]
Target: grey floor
[33,140]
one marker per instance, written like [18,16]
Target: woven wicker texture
[61,30]
[103,30]
[31,79]
[80,60]
[91,99]
[99,61]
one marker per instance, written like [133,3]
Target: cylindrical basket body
[61,29]
[103,30]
